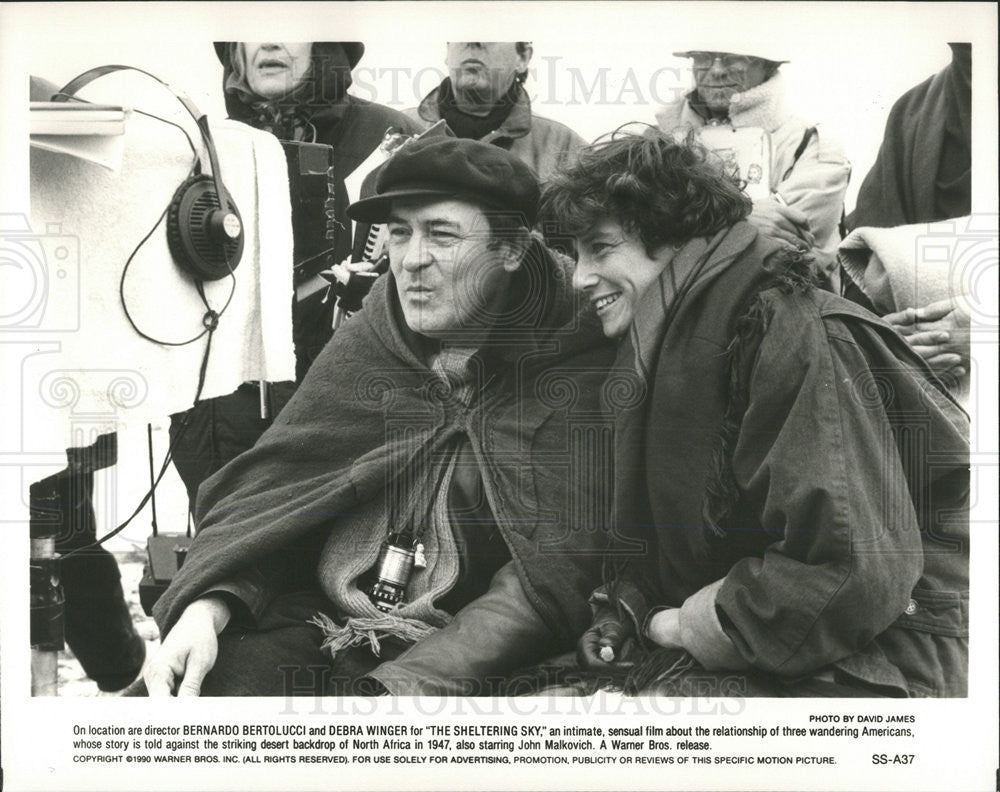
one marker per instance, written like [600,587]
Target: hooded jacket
[319,110]
[813,182]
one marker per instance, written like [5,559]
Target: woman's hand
[189,650]
[664,629]
[607,640]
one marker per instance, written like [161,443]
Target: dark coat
[795,459]
[370,408]
[923,171]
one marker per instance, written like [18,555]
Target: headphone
[204,229]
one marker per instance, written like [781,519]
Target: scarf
[323,90]
[475,127]
[697,261]
[418,496]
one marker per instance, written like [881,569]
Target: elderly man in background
[483,98]
[416,520]
[739,87]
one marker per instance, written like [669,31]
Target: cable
[211,322]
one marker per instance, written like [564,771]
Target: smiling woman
[628,231]
[756,552]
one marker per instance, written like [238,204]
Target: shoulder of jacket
[829,147]
[549,128]
[670,116]
[824,143]
[371,112]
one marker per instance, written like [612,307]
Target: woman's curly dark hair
[663,191]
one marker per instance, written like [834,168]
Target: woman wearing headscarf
[781,525]
[298,92]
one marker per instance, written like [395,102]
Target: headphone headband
[192,222]
[201,120]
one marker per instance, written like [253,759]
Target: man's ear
[513,246]
[525,55]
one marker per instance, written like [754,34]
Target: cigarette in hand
[607,654]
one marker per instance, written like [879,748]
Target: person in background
[922,174]
[298,92]
[483,98]
[739,86]
[779,529]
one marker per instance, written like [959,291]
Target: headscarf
[322,88]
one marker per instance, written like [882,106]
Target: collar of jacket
[762,106]
[697,262]
[516,125]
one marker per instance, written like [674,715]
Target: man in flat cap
[426,514]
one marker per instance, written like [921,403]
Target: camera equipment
[165,552]
[396,560]
[311,188]
[47,611]
[351,287]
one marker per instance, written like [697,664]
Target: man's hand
[783,222]
[189,650]
[938,332]
[664,629]
[607,641]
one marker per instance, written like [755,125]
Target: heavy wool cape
[536,430]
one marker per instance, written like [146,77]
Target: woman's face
[274,69]
[613,271]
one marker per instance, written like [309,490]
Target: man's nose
[417,254]
[584,276]
[718,67]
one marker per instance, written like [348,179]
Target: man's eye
[399,233]
[444,237]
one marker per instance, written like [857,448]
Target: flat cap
[452,168]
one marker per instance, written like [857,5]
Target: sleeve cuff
[702,633]
[245,597]
[632,600]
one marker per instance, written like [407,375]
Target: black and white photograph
[612,408]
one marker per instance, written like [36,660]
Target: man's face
[483,71]
[448,277]
[274,69]
[719,75]
[613,270]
